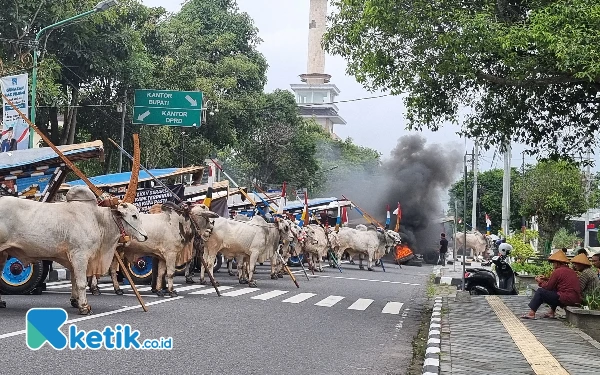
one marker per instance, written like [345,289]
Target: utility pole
[586,241]
[506,192]
[523,218]
[182,154]
[455,232]
[464,256]
[123,112]
[475,171]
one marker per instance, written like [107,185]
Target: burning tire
[403,254]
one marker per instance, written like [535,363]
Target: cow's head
[288,231]
[202,217]
[392,239]
[130,217]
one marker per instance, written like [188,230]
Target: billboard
[15,131]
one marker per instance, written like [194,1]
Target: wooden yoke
[105,199]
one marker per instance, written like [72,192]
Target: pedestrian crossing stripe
[361,304]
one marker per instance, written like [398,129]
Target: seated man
[588,277]
[561,289]
[582,251]
[596,263]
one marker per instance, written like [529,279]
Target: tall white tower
[315,96]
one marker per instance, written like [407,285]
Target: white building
[316,96]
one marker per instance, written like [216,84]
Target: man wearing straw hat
[561,289]
[588,278]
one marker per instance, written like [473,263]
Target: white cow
[77,233]
[247,241]
[477,241]
[372,243]
[171,231]
[314,244]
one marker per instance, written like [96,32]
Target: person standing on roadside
[443,249]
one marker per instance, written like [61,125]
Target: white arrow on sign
[143,116]
[193,102]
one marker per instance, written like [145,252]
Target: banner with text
[15,131]
[146,198]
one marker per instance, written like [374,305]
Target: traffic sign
[166,107]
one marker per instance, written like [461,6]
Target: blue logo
[44,324]
[14,81]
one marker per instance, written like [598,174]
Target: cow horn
[135,172]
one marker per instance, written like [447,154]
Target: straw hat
[558,256]
[581,259]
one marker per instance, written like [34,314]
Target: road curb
[431,365]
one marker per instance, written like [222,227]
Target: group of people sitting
[566,286]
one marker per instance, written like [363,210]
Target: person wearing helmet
[505,249]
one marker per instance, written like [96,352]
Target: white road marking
[189,287]
[269,295]
[392,308]
[361,304]
[240,292]
[211,290]
[329,301]
[103,294]
[94,316]
[144,289]
[58,285]
[372,280]
[299,297]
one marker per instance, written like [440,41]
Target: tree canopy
[524,70]
[554,191]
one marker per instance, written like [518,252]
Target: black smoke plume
[417,175]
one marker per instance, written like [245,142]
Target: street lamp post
[100,7]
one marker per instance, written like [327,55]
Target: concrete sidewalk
[485,335]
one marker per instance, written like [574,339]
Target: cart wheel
[18,278]
[141,270]
[295,261]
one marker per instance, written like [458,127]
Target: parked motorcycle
[485,282]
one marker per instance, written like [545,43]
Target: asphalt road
[239,334]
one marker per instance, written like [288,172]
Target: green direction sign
[165,107]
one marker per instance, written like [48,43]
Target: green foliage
[515,65]
[489,196]
[592,300]
[522,249]
[553,191]
[565,238]
[544,269]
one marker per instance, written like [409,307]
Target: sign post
[168,108]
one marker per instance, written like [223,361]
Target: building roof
[121,179]
[44,156]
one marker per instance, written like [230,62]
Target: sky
[375,123]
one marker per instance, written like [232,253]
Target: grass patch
[419,344]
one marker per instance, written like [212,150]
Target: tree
[515,65]
[565,239]
[553,191]
[489,197]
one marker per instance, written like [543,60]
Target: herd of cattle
[83,237]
